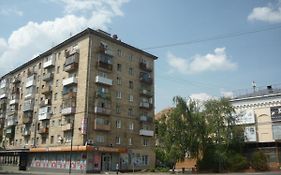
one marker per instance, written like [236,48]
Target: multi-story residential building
[259,111]
[87,102]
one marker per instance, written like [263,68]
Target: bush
[237,162]
[259,161]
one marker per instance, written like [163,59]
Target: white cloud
[201,97]
[218,61]
[10,11]
[266,14]
[34,38]
[227,94]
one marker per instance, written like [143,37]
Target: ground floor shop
[80,159]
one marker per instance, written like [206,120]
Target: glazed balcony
[71,67]
[67,127]
[146,105]
[145,132]
[30,82]
[26,120]
[102,110]
[9,132]
[103,80]
[3,95]
[26,132]
[69,95]
[49,63]
[28,107]
[104,50]
[105,62]
[146,92]
[44,113]
[45,102]
[46,90]
[146,80]
[3,84]
[43,130]
[48,76]
[30,92]
[14,101]
[145,67]
[11,121]
[69,81]
[145,118]
[101,127]
[100,94]
[68,110]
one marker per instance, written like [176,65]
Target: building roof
[257,92]
[87,31]
[163,112]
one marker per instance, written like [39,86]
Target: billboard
[245,117]
[275,113]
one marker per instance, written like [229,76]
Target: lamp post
[71,142]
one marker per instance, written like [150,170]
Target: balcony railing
[146,92]
[69,95]
[11,121]
[146,105]
[14,101]
[70,67]
[43,130]
[103,80]
[146,80]
[145,67]
[145,118]
[67,127]
[103,95]
[49,63]
[69,81]
[26,132]
[46,90]
[28,107]
[101,110]
[44,116]
[68,110]
[102,127]
[48,76]
[26,120]
[145,132]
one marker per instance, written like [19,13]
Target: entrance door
[106,162]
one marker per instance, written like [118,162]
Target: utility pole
[71,142]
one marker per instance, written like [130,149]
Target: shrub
[259,161]
[237,162]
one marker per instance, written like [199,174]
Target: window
[130,112]
[131,98]
[119,67]
[119,52]
[131,84]
[39,65]
[58,69]
[131,126]
[43,141]
[118,140]
[118,123]
[117,109]
[99,139]
[57,83]
[144,159]
[53,123]
[118,81]
[145,142]
[55,96]
[118,95]
[59,122]
[130,71]
[130,57]
[130,141]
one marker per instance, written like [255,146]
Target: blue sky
[201,70]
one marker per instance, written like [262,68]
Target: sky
[205,49]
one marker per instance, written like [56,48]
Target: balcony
[103,111]
[43,130]
[44,113]
[104,49]
[28,106]
[71,67]
[9,132]
[146,80]
[68,110]
[46,90]
[16,80]
[45,102]
[14,101]
[67,127]
[146,105]
[3,95]
[69,81]
[145,132]
[30,92]
[11,121]
[26,120]
[103,95]
[48,76]
[101,127]
[103,80]
[145,118]
[146,92]
[49,63]
[3,84]
[30,82]
[145,67]
[69,96]
[26,132]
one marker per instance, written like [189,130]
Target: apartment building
[87,102]
[259,112]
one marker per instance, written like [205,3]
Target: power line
[224,36]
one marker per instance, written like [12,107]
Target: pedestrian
[117,168]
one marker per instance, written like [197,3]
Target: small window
[130,111]
[119,67]
[58,69]
[130,141]
[118,95]
[145,142]
[118,81]
[57,83]
[131,98]
[131,126]
[52,140]
[55,96]
[117,109]
[119,52]
[118,123]
[131,84]
[117,140]
[130,57]
[130,71]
